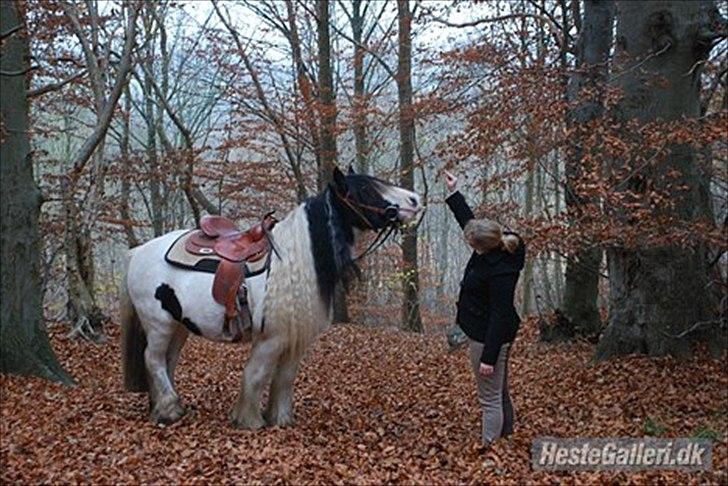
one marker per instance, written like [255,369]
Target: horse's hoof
[168,414]
[280,420]
[249,423]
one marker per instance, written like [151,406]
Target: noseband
[390,213]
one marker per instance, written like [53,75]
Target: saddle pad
[177,255]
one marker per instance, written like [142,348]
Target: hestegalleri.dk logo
[554,454]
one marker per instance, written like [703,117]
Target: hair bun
[510,242]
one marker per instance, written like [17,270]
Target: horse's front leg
[246,412]
[280,402]
[165,403]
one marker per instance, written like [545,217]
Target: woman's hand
[485,370]
[451,181]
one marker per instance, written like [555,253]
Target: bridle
[390,213]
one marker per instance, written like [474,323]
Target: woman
[485,309]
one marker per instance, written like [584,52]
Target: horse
[290,303]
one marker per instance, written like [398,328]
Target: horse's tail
[133,342]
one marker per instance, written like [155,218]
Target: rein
[390,212]
[370,249]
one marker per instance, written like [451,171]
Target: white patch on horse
[409,202]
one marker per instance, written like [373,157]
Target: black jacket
[485,305]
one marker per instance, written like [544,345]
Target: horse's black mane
[332,233]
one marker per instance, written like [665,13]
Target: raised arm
[459,207]
[456,202]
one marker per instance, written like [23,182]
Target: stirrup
[235,334]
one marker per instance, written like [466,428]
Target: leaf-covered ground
[372,405]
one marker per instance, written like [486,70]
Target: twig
[54,86]
[473,23]
[638,169]
[20,72]
[376,56]
[647,58]
[10,31]
[692,328]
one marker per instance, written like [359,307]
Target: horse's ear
[339,180]
[351,170]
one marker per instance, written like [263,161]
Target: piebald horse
[290,304]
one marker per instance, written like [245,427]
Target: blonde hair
[485,235]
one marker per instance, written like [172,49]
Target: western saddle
[221,237]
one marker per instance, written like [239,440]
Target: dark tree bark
[585,92]
[411,318]
[327,99]
[151,122]
[304,83]
[660,303]
[125,203]
[24,346]
[360,98]
[327,126]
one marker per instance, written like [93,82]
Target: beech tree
[411,318]
[660,301]
[24,346]
[586,92]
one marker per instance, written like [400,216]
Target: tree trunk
[125,204]
[582,269]
[327,125]
[360,99]
[411,318]
[24,346]
[305,88]
[659,298]
[157,216]
[327,99]
[81,308]
[526,304]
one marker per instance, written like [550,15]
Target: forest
[594,129]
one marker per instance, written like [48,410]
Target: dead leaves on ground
[372,406]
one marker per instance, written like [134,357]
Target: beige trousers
[493,395]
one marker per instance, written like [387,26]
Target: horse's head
[372,203]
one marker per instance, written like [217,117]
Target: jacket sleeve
[459,207]
[500,301]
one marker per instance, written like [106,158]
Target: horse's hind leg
[280,402]
[165,402]
[246,412]
[173,351]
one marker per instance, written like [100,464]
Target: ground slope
[372,406]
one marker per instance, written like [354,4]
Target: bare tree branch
[54,86]
[107,112]
[10,31]
[277,123]
[376,56]
[19,72]
[474,23]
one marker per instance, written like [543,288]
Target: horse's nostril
[413,201]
